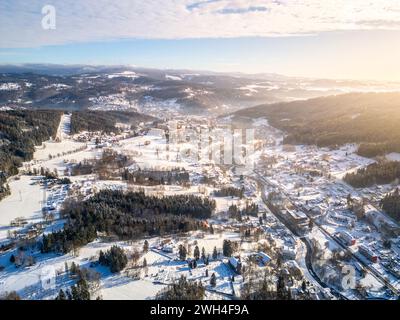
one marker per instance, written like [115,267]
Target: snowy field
[126,289]
[24,201]
[62,144]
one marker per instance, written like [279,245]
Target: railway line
[308,255]
[375,273]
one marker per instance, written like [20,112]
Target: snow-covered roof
[264,257]
[234,262]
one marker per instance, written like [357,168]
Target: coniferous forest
[382,172]
[391,204]
[103,120]
[127,216]
[20,132]
[115,259]
[156,177]
[182,289]
[229,192]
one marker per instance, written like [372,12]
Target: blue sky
[355,39]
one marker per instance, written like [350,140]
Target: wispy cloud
[96,20]
[234,10]
[199,4]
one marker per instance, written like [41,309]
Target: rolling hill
[371,119]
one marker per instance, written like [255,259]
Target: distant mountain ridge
[76,87]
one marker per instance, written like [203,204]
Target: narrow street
[305,251]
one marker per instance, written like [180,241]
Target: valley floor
[22,219]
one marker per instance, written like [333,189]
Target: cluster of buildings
[304,183]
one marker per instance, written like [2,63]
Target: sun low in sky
[353,39]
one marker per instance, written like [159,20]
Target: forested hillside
[391,204]
[372,119]
[383,172]
[104,120]
[20,131]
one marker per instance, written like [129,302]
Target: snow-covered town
[199,158]
[288,219]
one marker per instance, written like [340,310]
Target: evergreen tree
[74,268]
[75,293]
[196,253]
[83,289]
[227,248]
[304,286]
[145,246]
[69,295]
[282,292]
[203,254]
[213,280]
[215,254]
[61,295]
[182,290]
[182,252]
[115,259]
[102,258]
